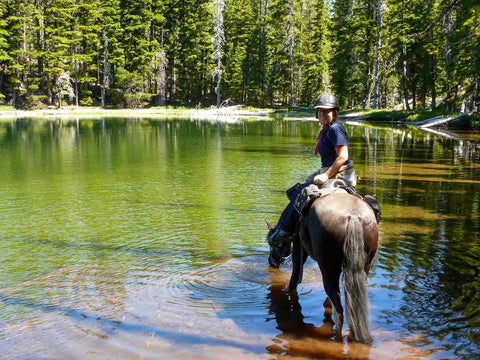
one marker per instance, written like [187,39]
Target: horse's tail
[355,284]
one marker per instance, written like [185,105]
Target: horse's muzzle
[275,258]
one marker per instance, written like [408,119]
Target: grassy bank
[164,111]
[381,115]
[397,116]
[369,115]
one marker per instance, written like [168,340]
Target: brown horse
[340,233]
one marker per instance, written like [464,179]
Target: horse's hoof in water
[327,303]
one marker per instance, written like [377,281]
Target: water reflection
[97,215]
[287,312]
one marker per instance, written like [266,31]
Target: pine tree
[314,50]
[20,30]
[159,60]
[58,40]
[239,26]
[218,42]
[343,58]
[86,49]
[136,19]
[111,55]
[5,58]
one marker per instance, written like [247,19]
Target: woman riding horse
[332,146]
[339,231]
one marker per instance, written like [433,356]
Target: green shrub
[36,101]
[86,101]
[137,100]
[116,98]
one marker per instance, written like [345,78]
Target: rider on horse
[332,146]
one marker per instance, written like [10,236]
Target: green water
[141,238]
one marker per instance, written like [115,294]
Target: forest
[404,54]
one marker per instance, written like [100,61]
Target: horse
[339,232]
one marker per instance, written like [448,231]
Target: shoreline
[92,112]
[230,113]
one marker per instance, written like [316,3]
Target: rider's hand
[320,179]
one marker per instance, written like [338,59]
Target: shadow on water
[109,325]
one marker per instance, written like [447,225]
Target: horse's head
[279,249]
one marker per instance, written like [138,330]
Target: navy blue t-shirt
[330,136]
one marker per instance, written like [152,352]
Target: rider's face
[325,116]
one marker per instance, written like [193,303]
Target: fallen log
[438,120]
[446,134]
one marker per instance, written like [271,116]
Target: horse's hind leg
[331,283]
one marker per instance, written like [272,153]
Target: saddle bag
[306,196]
[291,192]
[374,204]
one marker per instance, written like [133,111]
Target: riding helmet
[326,101]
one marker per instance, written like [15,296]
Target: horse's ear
[270,227]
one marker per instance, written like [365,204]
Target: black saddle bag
[292,192]
[374,204]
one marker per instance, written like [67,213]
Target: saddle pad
[310,193]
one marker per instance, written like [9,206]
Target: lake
[145,239]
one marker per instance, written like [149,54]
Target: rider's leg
[287,224]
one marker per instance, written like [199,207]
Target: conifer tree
[136,19]
[111,55]
[239,50]
[58,40]
[20,29]
[159,60]
[315,50]
[343,59]
[218,42]
[5,58]
[85,49]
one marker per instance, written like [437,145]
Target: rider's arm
[342,157]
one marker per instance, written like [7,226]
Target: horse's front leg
[299,256]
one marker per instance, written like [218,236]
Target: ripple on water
[234,285]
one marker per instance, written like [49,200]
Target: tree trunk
[377,53]
[75,61]
[414,95]
[369,80]
[290,45]
[246,79]
[218,43]
[448,60]
[433,69]
[263,13]
[106,69]
[219,79]
[352,54]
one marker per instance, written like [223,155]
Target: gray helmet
[326,101]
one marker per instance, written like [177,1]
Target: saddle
[308,194]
